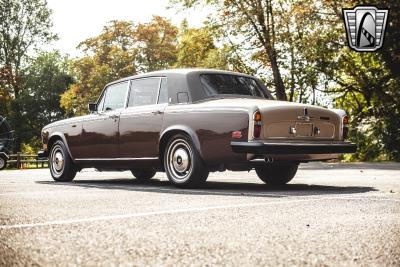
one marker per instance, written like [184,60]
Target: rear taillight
[257,124]
[345,122]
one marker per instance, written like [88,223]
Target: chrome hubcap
[2,162]
[57,160]
[179,160]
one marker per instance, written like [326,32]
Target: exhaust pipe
[269,160]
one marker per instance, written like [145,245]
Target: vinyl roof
[179,72]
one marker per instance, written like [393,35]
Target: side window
[163,95]
[143,92]
[114,97]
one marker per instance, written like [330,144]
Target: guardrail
[22,160]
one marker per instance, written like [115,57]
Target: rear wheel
[183,164]
[3,162]
[143,175]
[277,174]
[62,168]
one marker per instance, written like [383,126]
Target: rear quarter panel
[213,127]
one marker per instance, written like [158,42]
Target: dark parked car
[190,122]
[6,139]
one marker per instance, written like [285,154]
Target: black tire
[143,175]
[183,164]
[3,163]
[277,174]
[61,166]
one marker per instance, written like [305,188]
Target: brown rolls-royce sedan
[189,122]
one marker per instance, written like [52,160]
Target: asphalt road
[330,214]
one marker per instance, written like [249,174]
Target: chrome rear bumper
[289,148]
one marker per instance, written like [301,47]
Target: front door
[141,122]
[100,130]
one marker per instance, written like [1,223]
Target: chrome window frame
[159,91]
[130,91]
[105,91]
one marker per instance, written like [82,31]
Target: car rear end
[282,131]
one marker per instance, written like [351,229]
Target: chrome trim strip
[116,159]
[205,109]
[159,88]
[127,94]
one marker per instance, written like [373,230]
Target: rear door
[141,122]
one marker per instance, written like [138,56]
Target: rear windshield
[226,84]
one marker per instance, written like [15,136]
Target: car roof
[182,72]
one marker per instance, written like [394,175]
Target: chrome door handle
[158,112]
[113,116]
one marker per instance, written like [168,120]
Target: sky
[77,20]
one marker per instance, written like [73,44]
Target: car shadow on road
[216,188]
[351,166]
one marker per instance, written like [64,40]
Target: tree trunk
[280,87]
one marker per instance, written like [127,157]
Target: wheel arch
[58,136]
[173,130]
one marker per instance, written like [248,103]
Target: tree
[107,57]
[121,50]
[157,44]
[197,49]
[24,25]
[391,46]
[254,21]
[46,77]
[364,84]
[7,83]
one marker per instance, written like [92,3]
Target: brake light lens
[345,120]
[257,124]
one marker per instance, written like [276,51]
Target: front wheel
[62,168]
[183,163]
[277,174]
[3,162]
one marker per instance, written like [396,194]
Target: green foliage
[24,24]
[32,147]
[123,49]
[46,77]
[197,49]
[107,57]
[157,44]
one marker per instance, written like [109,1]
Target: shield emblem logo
[365,27]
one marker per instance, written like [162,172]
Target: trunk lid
[299,122]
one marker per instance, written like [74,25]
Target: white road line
[48,191]
[144,214]
[174,211]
